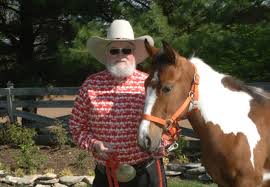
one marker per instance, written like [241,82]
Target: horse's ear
[168,50]
[152,51]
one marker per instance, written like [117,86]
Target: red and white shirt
[110,111]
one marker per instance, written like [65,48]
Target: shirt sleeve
[79,122]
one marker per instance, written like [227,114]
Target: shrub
[90,172]
[29,157]
[66,172]
[19,172]
[48,170]
[81,160]
[17,135]
[60,134]
[182,144]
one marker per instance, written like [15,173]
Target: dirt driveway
[56,112]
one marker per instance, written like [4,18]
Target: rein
[170,125]
[112,165]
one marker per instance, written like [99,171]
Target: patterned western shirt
[110,111]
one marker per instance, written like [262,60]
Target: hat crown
[120,29]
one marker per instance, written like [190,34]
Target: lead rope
[112,165]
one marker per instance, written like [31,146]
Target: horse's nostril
[147,143]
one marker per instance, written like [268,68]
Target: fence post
[10,99]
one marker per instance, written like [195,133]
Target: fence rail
[13,98]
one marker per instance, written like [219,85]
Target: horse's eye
[166,89]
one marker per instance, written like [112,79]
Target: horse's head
[167,87]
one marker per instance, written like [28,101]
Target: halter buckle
[169,122]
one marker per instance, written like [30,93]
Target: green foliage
[19,172]
[182,144]
[29,158]
[65,172]
[81,160]
[17,135]
[59,134]
[74,57]
[232,36]
[173,182]
[239,50]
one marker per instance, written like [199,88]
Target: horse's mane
[237,85]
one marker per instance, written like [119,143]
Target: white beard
[121,70]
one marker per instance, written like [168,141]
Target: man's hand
[103,150]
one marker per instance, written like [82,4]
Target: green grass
[187,183]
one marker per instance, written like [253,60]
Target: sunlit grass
[187,183]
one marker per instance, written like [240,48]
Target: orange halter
[170,125]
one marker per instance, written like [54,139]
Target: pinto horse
[231,119]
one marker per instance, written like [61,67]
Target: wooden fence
[10,101]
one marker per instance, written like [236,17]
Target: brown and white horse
[231,119]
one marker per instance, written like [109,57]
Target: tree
[31,30]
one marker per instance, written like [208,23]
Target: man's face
[120,59]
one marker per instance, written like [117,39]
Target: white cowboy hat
[120,30]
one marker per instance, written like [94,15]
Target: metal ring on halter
[191,94]
[169,122]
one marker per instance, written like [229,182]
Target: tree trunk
[26,48]
[26,44]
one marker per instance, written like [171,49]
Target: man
[108,110]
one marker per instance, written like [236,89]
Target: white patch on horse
[266,175]
[228,109]
[149,103]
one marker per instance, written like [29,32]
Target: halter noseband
[170,125]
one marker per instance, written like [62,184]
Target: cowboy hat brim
[97,47]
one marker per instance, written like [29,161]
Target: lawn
[185,183]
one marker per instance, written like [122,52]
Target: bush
[59,134]
[81,160]
[30,157]
[182,144]
[17,135]
[65,172]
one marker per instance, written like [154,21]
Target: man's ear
[152,51]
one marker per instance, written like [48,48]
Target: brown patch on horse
[230,151]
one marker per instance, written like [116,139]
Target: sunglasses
[116,51]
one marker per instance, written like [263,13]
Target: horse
[231,118]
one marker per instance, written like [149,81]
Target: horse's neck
[209,86]
[197,122]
